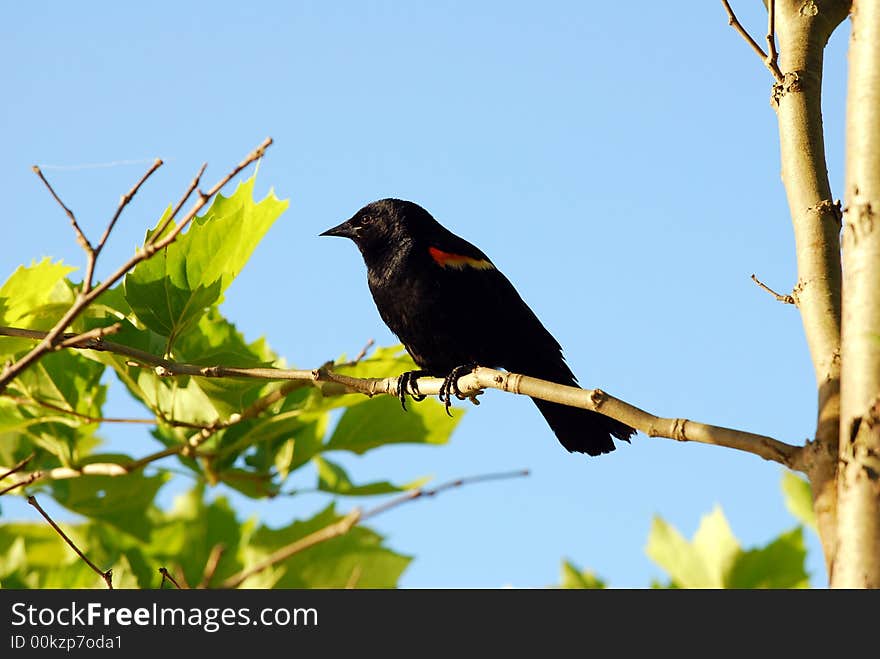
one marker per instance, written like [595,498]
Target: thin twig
[422,492]
[186,195]
[95,335]
[334,530]
[335,384]
[735,24]
[123,202]
[34,402]
[85,298]
[18,466]
[211,565]
[106,576]
[188,448]
[80,236]
[354,577]
[786,299]
[363,353]
[36,475]
[166,575]
[95,252]
[345,524]
[63,473]
[772,61]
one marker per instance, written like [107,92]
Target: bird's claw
[450,385]
[409,380]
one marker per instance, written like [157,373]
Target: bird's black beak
[343,230]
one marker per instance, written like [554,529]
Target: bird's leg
[450,384]
[409,380]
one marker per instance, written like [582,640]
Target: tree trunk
[803,29]
[857,563]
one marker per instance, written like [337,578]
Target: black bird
[453,310]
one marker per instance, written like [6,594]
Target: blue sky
[618,162]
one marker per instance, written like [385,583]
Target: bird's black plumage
[450,307]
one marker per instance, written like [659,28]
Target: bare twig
[772,61]
[34,402]
[123,202]
[211,565]
[334,384]
[106,576]
[334,530]
[421,492]
[354,577]
[95,335]
[80,236]
[166,576]
[186,195]
[189,448]
[363,353]
[768,62]
[30,478]
[345,524]
[63,473]
[95,252]
[786,299]
[18,466]
[86,297]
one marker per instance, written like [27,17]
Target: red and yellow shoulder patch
[458,261]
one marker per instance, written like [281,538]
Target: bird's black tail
[578,430]
[583,431]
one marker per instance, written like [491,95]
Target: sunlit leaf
[357,559]
[172,290]
[573,577]
[380,421]
[333,478]
[799,498]
[778,565]
[117,500]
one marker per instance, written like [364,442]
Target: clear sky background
[618,161]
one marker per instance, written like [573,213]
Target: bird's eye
[366,219]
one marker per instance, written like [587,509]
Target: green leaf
[66,380]
[29,289]
[171,291]
[384,362]
[178,398]
[778,565]
[333,478]
[380,421]
[121,501]
[186,536]
[799,499]
[671,551]
[215,341]
[357,559]
[701,564]
[573,577]
[716,545]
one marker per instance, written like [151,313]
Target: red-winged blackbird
[453,310]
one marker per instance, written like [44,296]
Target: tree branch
[88,295]
[18,466]
[816,221]
[471,385]
[772,55]
[106,576]
[857,563]
[768,60]
[80,236]
[34,402]
[785,299]
[345,524]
